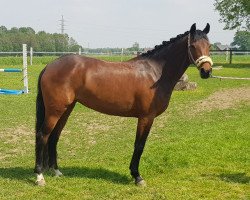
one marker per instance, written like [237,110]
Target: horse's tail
[40,109]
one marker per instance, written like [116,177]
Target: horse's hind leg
[53,139]
[42,136]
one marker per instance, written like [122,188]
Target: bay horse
[140,88]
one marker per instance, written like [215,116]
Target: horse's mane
[198,35]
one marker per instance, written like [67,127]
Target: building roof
[220,46]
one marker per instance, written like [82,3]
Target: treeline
[12,40]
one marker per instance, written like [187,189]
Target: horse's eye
[192,46]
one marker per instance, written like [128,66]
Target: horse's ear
[193,28]
[207,29]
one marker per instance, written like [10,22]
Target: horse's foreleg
[143,129]
[53,139]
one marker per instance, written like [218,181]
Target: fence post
[122,54]
[227,54]
[230,57]
[31,55]
[25,72]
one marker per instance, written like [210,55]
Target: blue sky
[116,23]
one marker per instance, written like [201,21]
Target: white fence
[229,56]
[226,56]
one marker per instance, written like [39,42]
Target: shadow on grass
[26,174]
[18,173]
[95,173]
[241,178]
[235,178]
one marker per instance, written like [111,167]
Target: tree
[61,41]
[14,30]
[3,29]
[135,47]
[5,43]
[242,39]
[73,46]
[46,42]
[12,40]
[27,30]
[235,13]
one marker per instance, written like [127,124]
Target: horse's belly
[113,93]
[109,102]
[120,108]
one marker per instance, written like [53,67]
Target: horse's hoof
[58,173]
[141,183]
[41,182]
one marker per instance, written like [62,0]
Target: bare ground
[11,138]
[224,99]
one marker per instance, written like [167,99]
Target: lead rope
[227,77]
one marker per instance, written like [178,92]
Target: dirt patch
[15,135]
[224,99]
[14,140]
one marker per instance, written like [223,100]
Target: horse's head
[198,50]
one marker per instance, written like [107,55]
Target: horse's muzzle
[205,73]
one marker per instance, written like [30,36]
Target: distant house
[221,47]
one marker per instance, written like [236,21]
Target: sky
[116,23]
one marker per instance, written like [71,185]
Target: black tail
[40,109]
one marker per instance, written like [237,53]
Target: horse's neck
[173,60]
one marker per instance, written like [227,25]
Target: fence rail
[218,56]
[229,53]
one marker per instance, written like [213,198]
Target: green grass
[188,155]
[236,59]
[43,60]
[7,61]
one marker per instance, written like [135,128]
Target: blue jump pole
[11,70]
[25,77]
[5,91]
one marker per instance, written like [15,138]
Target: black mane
[198,35]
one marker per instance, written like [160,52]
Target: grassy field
[236,58]
[198,149]
[43,60]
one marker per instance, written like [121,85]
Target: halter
[202,59]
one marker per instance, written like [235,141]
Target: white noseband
[202,59]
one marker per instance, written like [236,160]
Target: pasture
[198,149]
